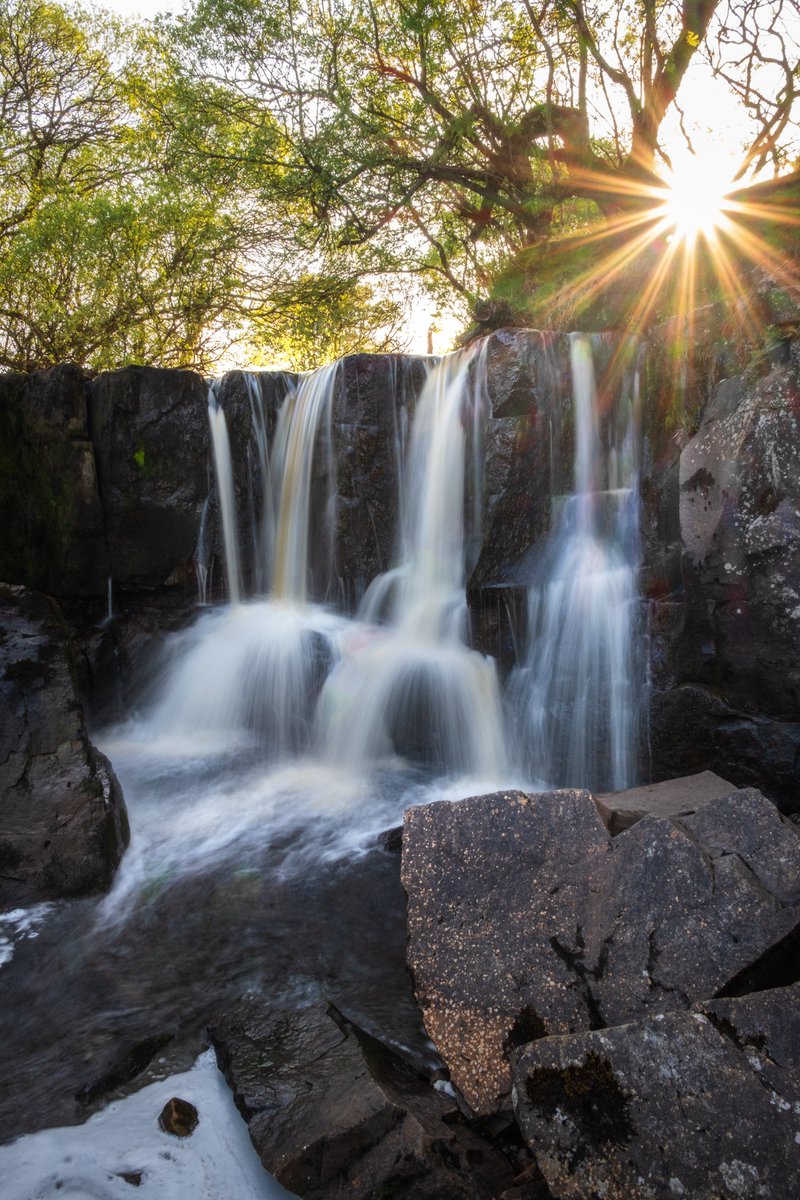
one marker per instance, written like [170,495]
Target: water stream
[282,737]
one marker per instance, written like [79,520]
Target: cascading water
[574,699]
[412,685]
[250,674]
[302,438]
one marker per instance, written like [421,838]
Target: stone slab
[673,798]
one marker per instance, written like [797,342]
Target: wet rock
[692,726]
[373,407]
[672,798]
[527,446]
[151,439]
[526,919]
[334,1113]
[698,1104]
[62,814]
[52,517]
[740,525]
[178,1117]
[127,1064]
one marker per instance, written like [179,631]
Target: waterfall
[412,686]
[400,682]
[304,427]
[223,469]
[573,700]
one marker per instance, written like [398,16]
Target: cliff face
[110,476]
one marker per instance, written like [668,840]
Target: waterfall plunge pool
[283,738]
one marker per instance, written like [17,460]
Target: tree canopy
[275,173]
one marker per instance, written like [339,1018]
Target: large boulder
[52,517]
[334,1113]
[62,816]
[527,919]
[699,1104]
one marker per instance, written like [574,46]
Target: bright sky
[140,8]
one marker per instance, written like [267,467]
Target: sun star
[694,199]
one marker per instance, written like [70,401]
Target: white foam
[88,1162]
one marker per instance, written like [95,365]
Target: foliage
[276,174]
[448,137]
[138,219]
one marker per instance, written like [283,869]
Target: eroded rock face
[151,439]
[699,1104]
[334,1113]
[740,524]
[63,824]
[526,919]
[373,408]
[726,667]
[52,516]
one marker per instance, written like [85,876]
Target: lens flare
[694,199]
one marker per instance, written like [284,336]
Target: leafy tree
[456,138]
[133,226]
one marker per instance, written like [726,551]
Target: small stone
[178,1117]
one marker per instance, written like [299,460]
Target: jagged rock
[699,1104]
[673,798]
[52,518]
[334,1113]
[178,1117]
[527,919]
[726,664]
[151,439]
[63,824]
[740,524]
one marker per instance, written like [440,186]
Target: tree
[454,138]
[119,240]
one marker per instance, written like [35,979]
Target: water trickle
[574,699]
[223,469]
[202,558]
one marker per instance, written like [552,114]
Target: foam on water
[90,1161]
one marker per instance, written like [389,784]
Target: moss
[139,457]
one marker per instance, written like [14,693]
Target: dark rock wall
[54,534]
[109,477]
[725,635]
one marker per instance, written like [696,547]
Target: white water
[89,1162]
[302,437]
[225,493]
[412,686]
[575,697]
